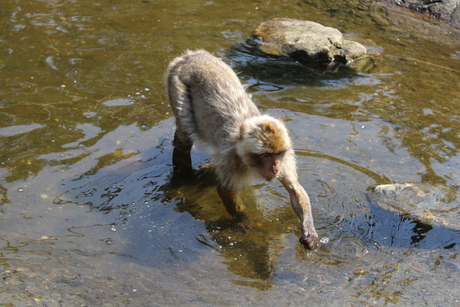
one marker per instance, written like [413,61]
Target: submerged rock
[428,204]
[312,44]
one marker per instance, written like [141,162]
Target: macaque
[213,111]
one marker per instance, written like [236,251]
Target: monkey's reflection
[245,247]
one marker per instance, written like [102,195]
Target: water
[90,213]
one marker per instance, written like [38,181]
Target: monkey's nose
[275,170]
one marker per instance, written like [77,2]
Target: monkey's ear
[280,119]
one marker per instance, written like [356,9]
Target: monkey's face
[263,143]
[268,164]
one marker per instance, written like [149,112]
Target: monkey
[214,112]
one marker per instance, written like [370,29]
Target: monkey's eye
[281,153]
[265,155]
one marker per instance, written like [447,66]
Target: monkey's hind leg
[181,158]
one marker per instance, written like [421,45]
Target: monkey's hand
[309,239]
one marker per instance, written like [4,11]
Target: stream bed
[90,214]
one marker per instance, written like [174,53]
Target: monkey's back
[207,98]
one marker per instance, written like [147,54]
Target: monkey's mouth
[270,177]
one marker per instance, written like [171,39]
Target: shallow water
[90,212]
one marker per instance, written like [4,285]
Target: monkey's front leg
[301,204]
[233,203]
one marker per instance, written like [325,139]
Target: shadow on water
[396,230]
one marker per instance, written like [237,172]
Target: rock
[311,43]
[428,204]
[447,10]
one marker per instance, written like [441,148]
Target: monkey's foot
[309,240]
[246,226]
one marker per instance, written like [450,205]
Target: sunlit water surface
[90,211]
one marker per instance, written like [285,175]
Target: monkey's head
[263,143]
